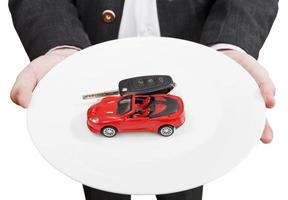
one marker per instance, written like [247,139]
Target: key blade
[100,94]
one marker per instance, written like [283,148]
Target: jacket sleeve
[45,24]
[244,23]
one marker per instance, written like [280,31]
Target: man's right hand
[29,77]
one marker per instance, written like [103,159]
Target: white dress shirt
[139,18]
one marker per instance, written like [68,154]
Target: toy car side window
[124,105]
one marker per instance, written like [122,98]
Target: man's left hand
[261,76]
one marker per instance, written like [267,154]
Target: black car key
[153,84]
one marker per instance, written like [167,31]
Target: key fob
[153,84]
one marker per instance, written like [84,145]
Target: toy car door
[135,122]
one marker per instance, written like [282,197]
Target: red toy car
[159,113]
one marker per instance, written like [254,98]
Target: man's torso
[177,18]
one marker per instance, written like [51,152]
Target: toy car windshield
[124,105]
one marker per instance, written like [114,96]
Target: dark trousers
[95,194]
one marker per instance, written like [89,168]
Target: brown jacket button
[108,16]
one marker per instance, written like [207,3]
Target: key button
[161,79]
[140,82]
[150,81]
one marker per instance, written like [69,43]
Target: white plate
[224,117]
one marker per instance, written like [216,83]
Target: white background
[24,174]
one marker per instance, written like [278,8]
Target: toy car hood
[106,107]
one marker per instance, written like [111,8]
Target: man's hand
[28,78]
[263,80]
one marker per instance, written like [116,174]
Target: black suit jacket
[44,24]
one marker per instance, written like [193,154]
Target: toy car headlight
[94,119]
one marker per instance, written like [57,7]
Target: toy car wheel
[166,130]
[109,131]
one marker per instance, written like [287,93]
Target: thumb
[23,87]
[267,135]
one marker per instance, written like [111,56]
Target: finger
[267,87]
[250,64]
[267,135]
[268,92]
[23,87]
[259,74]
[257,71]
